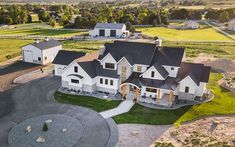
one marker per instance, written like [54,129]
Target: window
[45,58]
[151,90]
[75,69]
[172,68]
[39,58]
[139,68]
[106,81]
[186,89]
[101,81]
[152,74]
[109,65]
[111,82]
[74,81]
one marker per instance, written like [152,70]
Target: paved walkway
[123,107]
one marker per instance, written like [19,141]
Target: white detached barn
[42,52]
[109,30]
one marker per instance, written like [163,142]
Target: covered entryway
[101,32]
[113,33]
[130,91]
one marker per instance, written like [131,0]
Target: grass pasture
[41,32]
[205,33]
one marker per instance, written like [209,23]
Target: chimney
[102,50]
[158,42]
[46,39]
[36,41]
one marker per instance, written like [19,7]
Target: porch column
[123,90]
[170,97]
[158,96]
[137,94]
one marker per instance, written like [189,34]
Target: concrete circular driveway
[36,98]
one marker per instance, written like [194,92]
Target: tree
[44,16]
[9,21]
[45,127]
[141,18]
[52,22]
[223,17]
[195,14]
[130,27]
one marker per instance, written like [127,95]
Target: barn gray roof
[109,25]
[66,57]
[46,44]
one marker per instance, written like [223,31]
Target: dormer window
[109,65]
[152,74]
[75,69]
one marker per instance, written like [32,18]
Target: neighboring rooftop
[66,57]
[46,44]
[198,72]
[109,25]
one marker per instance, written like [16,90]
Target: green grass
[193,49]
[205,33]
[222,104]
[85,46]
[86,101]
[41,31]
[10,48]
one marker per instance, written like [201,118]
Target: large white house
[117,30]
[231,25]
[42,52]
[145,72]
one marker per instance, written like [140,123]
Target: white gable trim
[107,57]
[151,69]
[123,58]
[190,79]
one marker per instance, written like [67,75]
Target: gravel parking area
[19,137]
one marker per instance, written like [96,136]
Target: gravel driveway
[36,98]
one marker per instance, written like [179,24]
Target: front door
[113,33]
[101,32]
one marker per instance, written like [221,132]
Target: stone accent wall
[106,90]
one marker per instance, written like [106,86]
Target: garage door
[28,56]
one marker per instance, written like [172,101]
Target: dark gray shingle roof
[161,70]
[135,52]
[198,72]
[47,44]
[66,57]
[93,69]
[109,25]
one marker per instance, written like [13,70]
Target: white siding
[157,75]
[143,67]
[172,70]
[58,69]
[188,82]
[50,54]
[31,54]
[109,59]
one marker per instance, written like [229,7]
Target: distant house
[231,25]
[72,19]
[109,30]
[63,59]
[41,52]
[34,17]
[191,25]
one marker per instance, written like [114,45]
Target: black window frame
[186,89]
[152,74]
[75,81]
[39,59]
[111,82]
[75,69]
[107,65]
[106,81]
[101,80]
[172,68]
[153,90]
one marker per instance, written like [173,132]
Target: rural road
[36,98]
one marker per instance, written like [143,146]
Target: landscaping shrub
[45,127]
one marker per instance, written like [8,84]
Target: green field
[10,48]
[205,33]
[42,32]
[86,101]
[222,104]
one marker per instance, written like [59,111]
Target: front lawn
[86,101]
[205,33]
[222,104]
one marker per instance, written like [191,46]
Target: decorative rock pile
[40,139]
